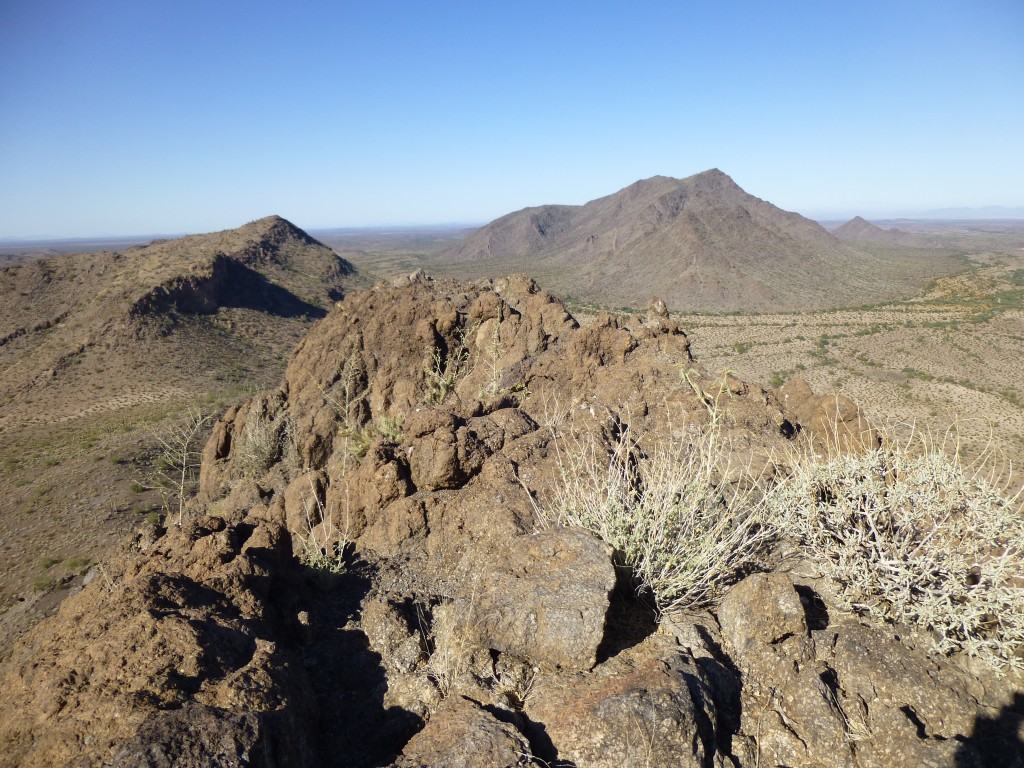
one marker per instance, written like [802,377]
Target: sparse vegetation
[443,369]
[178,460]
[260,441]
[323,544]
[679,529]
[909,535]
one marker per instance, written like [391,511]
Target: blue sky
[165,117]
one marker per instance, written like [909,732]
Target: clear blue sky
[142,117]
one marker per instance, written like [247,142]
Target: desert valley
[279,498]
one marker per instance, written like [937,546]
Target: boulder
[462,734]
[544,598]
[648,707]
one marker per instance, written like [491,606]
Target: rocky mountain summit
[703,241]
[370,575]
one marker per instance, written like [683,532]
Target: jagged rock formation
[706,244]
[421,427]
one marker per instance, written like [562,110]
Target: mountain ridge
[701,242]
[99,350]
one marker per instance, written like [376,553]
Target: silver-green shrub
[910,536]
[681,532]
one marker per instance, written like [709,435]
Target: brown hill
[100,351]
[54,311]
[700,242]
[858,230]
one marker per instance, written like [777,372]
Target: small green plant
[390,428]
[77,563]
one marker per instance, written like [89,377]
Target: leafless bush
[178,460]
[323,543]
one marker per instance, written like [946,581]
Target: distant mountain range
[985,212]
[700,243]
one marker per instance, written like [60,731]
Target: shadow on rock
[629,621]
[347,678]
[996,741]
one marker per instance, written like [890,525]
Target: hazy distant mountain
[858,230]
[985,212]
[701,243]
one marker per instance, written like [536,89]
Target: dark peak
[712,179]
[859,221]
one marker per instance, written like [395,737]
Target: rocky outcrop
[820,688]
[364,578]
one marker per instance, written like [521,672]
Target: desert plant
[907,534]
[442,371]
[448,640]
[349,391]
[178,460]
[323,543]
[491,356]
[390,428]
[678,529]
[259,444]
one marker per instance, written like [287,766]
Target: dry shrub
[323,544]
[259,445]
[907,534]
[681,531]
[178,460]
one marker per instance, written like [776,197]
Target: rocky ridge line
[419,425]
